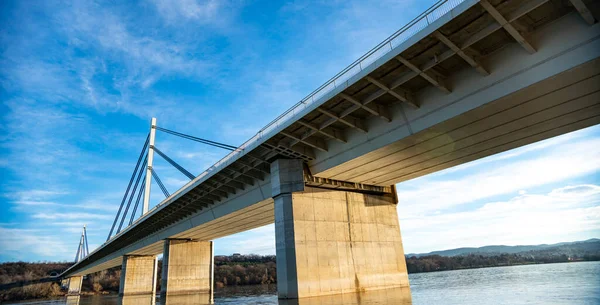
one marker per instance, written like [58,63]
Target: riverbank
[575,283]
[244,270]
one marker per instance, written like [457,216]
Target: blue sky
[80,80]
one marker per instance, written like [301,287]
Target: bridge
[464,80]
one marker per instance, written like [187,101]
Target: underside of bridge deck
[481,78]
[566,102]
[480,87]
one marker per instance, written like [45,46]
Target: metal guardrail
[341,79]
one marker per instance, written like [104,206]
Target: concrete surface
[187,267]
[138,275]
[75,285]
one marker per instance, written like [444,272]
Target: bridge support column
[333,241]
[138,275]
[75,285]
[188,268]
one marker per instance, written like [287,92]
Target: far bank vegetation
[239,270]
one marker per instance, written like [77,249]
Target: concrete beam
[404,97]
[231,181]
[240,176]
[470,60]
[287,176]
[259,167]
[436,81]
[328,132]
[584,11]
[507,26]
[344,118]
[378,110]
[474,38]
[326,183]
[314,143]
[252,173]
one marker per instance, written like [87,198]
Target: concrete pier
[187,267]
[138,275]
[332,241]
[75,285]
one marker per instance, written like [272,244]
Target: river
[556,284]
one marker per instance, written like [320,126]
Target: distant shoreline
[245,270]
[62,294]
[499,266]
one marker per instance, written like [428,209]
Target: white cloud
[539,146]
[24,200]
[175,182]
[110,204]
[256,241]
[450,189]
[203,11]
[576,191]
[38,194]
[524,219]
[72,216]
[24,244]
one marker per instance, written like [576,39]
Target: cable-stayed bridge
[464,80]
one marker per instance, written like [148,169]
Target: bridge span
[465,80]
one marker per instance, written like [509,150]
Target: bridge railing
[341,79]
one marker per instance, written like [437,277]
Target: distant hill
[567,248]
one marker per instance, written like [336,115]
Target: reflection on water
[73,300]
[199,298]
[400,296]
[138,299]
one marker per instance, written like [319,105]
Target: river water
[556,284]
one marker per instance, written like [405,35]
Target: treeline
[106,281]
[20,271]
[442,263]
[235,270]
[560,254]
[238,270]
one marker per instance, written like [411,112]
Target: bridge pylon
[83,248]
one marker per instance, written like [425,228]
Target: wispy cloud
[203,11]
[257,241]
[23,244]
[523,219]
[558,163]
[542,193]
[72,216]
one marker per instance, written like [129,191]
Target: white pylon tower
[149,167]
[83,249]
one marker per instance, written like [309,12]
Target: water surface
[556,284]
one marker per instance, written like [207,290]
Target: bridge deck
[466,80]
